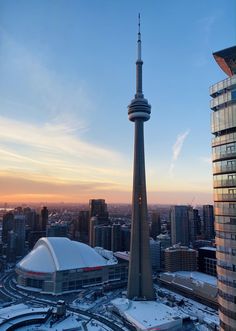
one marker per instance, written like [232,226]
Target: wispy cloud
[44,118]
[206,159]
[205,26]
[55,153]
[176,150]
[31,90]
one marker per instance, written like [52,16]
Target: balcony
[225,228]
[224,169]
[224,155]
[224,139]
[225,197]
[220,100]
[222,85]
[225,211]
[224,183]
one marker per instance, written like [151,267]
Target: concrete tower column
[140,285]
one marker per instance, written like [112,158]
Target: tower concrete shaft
[140,285]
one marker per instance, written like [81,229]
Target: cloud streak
[176,150]
[54,153]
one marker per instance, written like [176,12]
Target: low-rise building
[147,315]
[180,258]
[197,284]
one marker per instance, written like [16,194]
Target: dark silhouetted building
[125,238]
[102,236]
[19,230]
[208,222]
[207,260]
[44,218]
[98,216]
[57,230]
[155,225]
[83,226]
[116,244]
[98,207]
[7,226]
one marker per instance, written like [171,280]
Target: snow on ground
[70,323]
[17,313]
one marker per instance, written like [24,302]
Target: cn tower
[140,285]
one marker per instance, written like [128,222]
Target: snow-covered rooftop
[198,276]
[209,248]
[122,255]
[148,315]
[58,253]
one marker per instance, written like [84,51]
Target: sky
[67,74]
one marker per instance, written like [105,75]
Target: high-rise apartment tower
[208,221]
[179,216]
[223,105]
[140,285]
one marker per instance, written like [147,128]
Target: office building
[180,258]
[140,284]
[208,222]
[102,236]
[19,230]
[7,226]
[125,238]
[57,230]
[223,105]
[83,226]
[155,225]
[207,260]
[98,215]
[193,224]
[11,247]
[155,251]
[32,221]
[44,218]
[13,235]
[179,216]
[98,207]
[116,244]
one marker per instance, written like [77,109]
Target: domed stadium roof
[58,253]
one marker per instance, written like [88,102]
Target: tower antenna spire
[139,39]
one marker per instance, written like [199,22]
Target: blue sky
[67,74]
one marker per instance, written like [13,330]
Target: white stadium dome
[53,254]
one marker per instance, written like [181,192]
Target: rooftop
[226,59]
[147,315]
[58,253]
[195,275]
[209,248]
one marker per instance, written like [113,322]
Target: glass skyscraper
[223,104]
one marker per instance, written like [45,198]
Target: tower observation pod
[140,284]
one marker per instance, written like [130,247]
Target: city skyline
[65,89]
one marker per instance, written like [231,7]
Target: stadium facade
[57,265]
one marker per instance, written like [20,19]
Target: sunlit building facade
[223,104]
